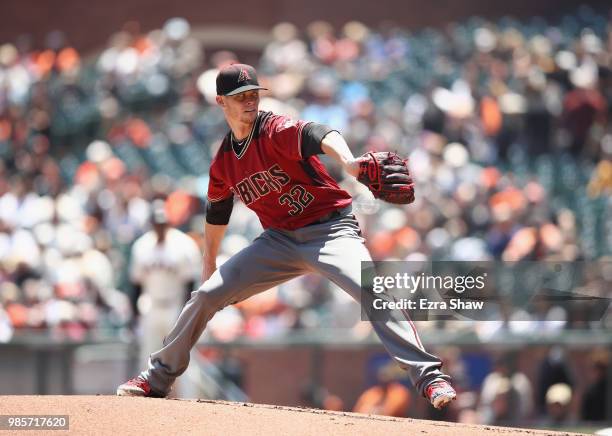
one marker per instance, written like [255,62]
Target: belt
[328,216]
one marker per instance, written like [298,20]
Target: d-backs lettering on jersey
[270,175]
[257,185]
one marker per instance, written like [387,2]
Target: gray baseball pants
[334,249]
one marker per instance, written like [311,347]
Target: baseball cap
[236,78]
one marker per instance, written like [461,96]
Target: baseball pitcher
[270,163]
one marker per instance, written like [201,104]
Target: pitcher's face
[241,107]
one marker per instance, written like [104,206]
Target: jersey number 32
[297,199]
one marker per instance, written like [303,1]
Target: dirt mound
[105,415]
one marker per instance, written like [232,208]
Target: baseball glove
[387,176]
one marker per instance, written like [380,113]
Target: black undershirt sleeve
[219,212]
[312,135]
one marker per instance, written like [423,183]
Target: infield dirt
[118,416]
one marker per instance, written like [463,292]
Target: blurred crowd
[548,387]
[506,125]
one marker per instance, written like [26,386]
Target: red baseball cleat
[440,393]
[136,387]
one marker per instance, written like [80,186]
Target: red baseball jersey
[269,173]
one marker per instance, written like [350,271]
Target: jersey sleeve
[287,136]
[298,139]
[218,190]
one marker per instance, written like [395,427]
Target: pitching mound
[137,416]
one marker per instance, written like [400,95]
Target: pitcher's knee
[211,299]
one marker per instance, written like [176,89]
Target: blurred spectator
[583,108]
[320,398]
[503,405]
[552,371]
[595,399]
[558,400]
[506,394]
[387,397]
[601,179]
[6,329]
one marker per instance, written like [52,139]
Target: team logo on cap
[244,75]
